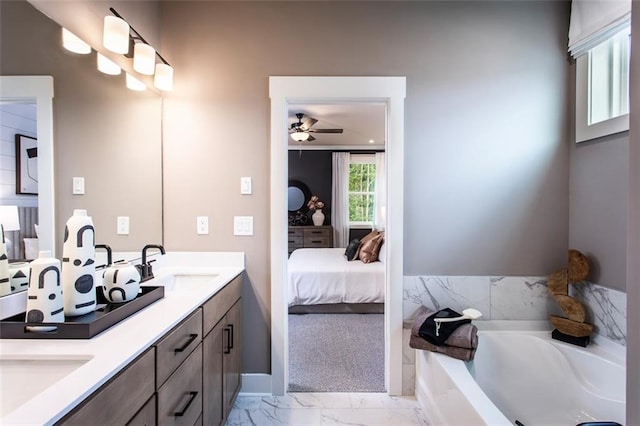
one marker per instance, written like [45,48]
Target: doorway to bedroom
[336,198]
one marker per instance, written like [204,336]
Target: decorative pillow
[363,240]
[369,250]
[31,248]
[351,251]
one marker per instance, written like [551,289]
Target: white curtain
[380,201]
[340,198]
[594,21]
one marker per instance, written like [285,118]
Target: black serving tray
[85,326]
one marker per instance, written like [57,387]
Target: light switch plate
[202,225]
[245,185]
[78,186]
[243,225]
[123,225]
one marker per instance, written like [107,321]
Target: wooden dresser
[310,237]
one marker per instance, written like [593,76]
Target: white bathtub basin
[24,376]
[524,376]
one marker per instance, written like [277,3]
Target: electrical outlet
[78,186]
[245,185]
[243,225]
[123,225]
[202,225]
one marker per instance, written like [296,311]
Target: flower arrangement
[314,203]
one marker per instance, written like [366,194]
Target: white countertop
[117,346]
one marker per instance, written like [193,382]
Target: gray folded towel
[465,336]
[464,354]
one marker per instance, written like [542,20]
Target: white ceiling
[361,122]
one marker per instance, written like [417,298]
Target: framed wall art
[26,165]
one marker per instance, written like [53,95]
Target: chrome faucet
[146,271]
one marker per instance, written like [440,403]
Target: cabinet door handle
[231,340]
[192,337]
[228,349]
[192,396]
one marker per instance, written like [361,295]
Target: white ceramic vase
[121,282]
[78,265]
[318,217]
[19,275]
[44,295]
[5,280]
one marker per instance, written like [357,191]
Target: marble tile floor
[302,409]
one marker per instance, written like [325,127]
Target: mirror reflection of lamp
[10,222]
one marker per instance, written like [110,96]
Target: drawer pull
[316,241]
[229,332]
[192,396]
[192,337]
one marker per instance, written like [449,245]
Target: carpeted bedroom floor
[336,353]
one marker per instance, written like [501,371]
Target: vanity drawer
[147,414]
[176,346]
[180,398]
[216,307]
[120,399]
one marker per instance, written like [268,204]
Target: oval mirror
[298,195]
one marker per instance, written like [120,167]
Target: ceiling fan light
[116,35]
[73,43]
[144,58]
[299,136]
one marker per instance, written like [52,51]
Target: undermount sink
[25,376]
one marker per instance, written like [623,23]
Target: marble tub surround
[514,298]
[111,350]
[327,409]
[606,309]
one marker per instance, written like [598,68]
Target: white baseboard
[256,384]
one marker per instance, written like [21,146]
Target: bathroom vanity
[177,361]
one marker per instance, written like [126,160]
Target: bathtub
[520,374]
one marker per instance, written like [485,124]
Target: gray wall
[599,186]
[486,136]
[633,254]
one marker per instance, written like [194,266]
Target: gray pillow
[352,249]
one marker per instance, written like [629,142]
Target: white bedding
[324,275]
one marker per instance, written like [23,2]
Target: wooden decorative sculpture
[573,326]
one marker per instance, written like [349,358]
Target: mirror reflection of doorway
[333,347]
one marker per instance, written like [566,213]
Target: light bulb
[144,58]
[107,66]
[73,43]
[116,35]
[163,79]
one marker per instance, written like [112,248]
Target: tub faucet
[146,271]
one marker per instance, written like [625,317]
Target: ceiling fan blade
[311,139]
[306,124]
[325,130]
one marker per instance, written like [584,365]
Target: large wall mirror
[100,131]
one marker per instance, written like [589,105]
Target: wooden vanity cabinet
[118,401]
[183,379]
[222,352]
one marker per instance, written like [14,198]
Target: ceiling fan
[300,130]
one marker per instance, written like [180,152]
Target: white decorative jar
[121,282]
[318,217]
[78,265]
[44,295]
[19,276]
[5,280]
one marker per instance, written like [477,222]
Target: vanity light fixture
[144,55]
[73,43]
[107,66]
[299,136]
[135,84]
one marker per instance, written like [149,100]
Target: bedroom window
[362,185]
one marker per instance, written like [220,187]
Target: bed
[322,280]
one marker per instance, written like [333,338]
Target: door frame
[391,91]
